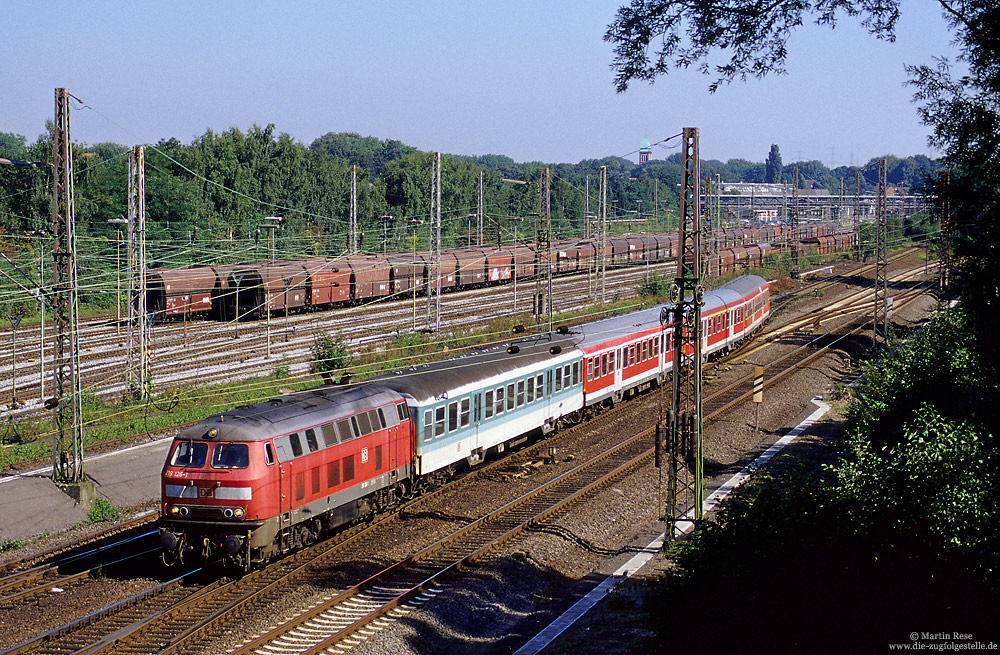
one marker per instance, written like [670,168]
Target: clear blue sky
[526,79]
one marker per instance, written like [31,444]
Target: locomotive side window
[364,423]
[378,458]
[356,430]
[300,486]
[464,412]
[293,439]
[332,474]
[268,453]
[231,456]
[329,434]
[311,440]
[344,430]
[190,454]
[488,402]
[315,480]
[348,468]
[400,411]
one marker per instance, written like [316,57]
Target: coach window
[439,421]
[531,389]
[631,355]
[311,440]
[296,444]
[590,370]
[611,359]
[268,453]
[539,388]
[510,396]
[499,403]
[576,373]
[566,370]
[428,424]
[452,416]
[464,412]
[520,392]
[558,379]
[488,402]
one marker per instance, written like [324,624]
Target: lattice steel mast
[684,444]
[137,355]
[880,322]
[67,445]
[543,250]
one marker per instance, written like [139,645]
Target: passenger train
[256,481]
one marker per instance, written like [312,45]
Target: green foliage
[654,285]
[330,354]
[102,511]
[9,544]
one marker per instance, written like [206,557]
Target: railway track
[181,600]
[216,351]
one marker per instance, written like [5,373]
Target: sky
[527,79]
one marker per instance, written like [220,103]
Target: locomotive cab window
[268,453]
[190,454]
[293,439]
[231,456]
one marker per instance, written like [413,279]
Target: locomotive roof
[436,379]
[289,413]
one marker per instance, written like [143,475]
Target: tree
[754,34]
[772,167]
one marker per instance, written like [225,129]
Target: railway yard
[478,566]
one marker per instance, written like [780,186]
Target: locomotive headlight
[239,512]
[174,510]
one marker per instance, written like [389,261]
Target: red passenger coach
[260,480]
[622,353]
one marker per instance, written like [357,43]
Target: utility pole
[684,444]
[603,233]
[67,445]
[543,249]
[880,321]
[137,372]
[352,245]
[434,246]
[857,216]
[480,213]
[793,224]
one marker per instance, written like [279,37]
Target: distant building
[645,152]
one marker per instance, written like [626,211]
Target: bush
[103,511]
